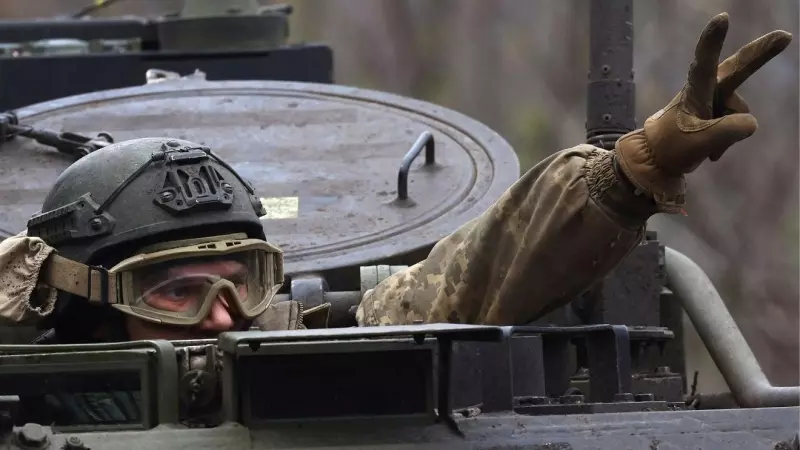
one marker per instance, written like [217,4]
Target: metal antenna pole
[611,103]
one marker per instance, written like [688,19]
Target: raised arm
[562,226]
[571,219]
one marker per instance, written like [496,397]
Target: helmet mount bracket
[190,183]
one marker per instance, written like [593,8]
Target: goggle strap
[91,282]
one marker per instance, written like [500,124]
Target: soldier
[184,268]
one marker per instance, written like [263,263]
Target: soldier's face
[182,296]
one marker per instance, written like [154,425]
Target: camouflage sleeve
[559,229]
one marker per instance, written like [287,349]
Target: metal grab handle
[425,140]
[722,337]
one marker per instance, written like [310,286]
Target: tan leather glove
[702,121]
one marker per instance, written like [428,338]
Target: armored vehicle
[359,184]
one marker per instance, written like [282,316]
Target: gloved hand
[702,121]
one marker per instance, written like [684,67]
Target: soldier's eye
[179,293]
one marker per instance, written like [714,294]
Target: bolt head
[173,144]
[166,196]
[32,435]
[227,188]
[96,223]
[74,443]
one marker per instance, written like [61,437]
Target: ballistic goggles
[177,283]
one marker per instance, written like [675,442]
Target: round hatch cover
[323,158]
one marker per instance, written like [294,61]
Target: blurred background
[520,66]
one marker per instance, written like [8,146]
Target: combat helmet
[117,213]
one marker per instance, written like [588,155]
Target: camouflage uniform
[567,222]
[560,228]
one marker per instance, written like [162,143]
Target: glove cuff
[613,193]
[637,162]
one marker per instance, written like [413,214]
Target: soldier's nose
[219,318]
